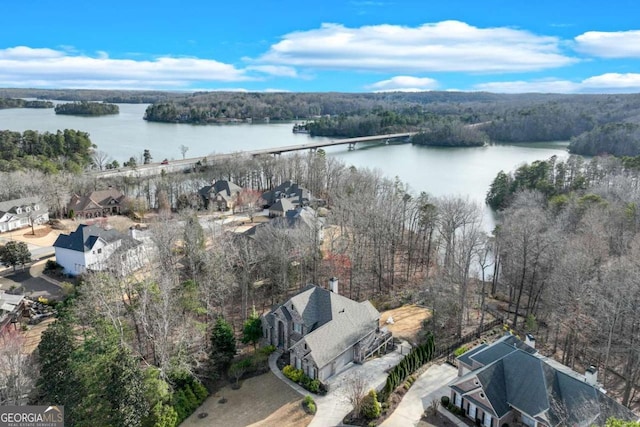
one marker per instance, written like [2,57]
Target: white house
[91,248]
[20,213]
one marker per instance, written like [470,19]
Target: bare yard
[407,321]
[261,401]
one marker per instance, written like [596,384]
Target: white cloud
[628,81]
[404,84]
[522,86]
[617,44]
[275,70]
[24,66]
[604,83]
[442,46]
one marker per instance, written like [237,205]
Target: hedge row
[417,357]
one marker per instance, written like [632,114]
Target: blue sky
[563,46]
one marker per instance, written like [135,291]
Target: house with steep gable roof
[97,203]
[19,213]
[222,195]
[324,331]
[298,196]
[510,383]
[91,248]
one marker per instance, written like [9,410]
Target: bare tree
[183,150]
[354,391]
[100,159]
[16,371]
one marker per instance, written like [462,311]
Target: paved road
[432,384]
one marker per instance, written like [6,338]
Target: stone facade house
[508,383]
[324,331]
[290,191]
[221,195]
[97,203]
[91,248]
[19,213]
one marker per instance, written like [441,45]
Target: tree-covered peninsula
[69,150]
[22,103]
[84,108]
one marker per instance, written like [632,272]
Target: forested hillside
[68,150]
[22,103]
[597,124]
[568,247]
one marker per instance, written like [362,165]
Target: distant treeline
[84,108]
[508,118]
[68,150]
[596,124]
[21,103]
[114,96]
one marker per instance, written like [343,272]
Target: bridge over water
[347,141]
[180,165]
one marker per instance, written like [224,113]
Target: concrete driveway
[31,283]
[432,384]
[333,407]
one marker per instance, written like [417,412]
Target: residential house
[91,248]
[11,308]
[280,208]
[324,331]
[508,383]
[289,190]
[97,203]
[19,213]
[221,195]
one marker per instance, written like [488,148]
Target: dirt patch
[262,399]
[33,335]
[289,415]
[407,321]
[38,232]
[45,235]
[437,420]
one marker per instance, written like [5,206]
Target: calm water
[438,171]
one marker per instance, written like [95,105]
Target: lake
[467,172]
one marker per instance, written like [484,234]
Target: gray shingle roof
[11,205]
[85,237]
[336,322]
[515,376]
[299,196]
[223,187]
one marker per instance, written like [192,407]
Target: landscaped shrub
[292,373]
[460,350]
[314,386]
[267,350]
[298,376]
[370,406]
[309,405]
[445,401]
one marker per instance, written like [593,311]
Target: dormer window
[18,210]
[36,207]
[28,209]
